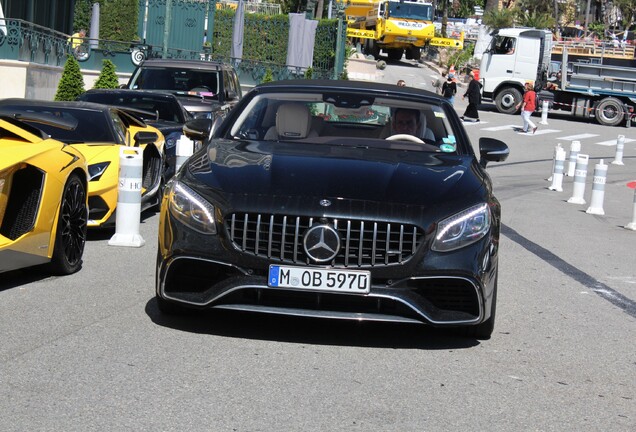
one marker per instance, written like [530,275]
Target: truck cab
[514,56]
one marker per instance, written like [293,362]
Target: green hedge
[265,38]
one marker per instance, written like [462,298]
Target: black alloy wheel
[70,235]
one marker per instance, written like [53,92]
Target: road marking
[610,143]
[500,128]
[545,131]
[539,132]
[578,137]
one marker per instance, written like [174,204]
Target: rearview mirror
[145,138]
[492,150]
[198,130]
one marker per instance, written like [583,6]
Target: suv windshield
[177,79]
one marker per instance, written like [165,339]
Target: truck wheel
[610,112]
[413,53]
[395,53]
[507,100]
[371,48]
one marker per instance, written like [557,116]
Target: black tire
[371,48]
[507,100]
[415,53]
[70,235]
[610,112]
[395,54]
[484,330]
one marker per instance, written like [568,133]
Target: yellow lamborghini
[43,199]
[99,133]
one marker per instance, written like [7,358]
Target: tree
[496,19]
[71,84]
[541,20]
[118,18]
[491,5]
[107,77]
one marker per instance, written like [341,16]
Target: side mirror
[230,95]
[492,150]
[198,130]
[145,138]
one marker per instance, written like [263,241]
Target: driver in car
[409,121]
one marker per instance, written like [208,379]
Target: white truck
[518,55]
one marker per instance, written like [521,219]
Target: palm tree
[498,19]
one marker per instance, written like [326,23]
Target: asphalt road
[90,351]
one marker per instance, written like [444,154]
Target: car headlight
[95,171]
[191,209]
[462,229]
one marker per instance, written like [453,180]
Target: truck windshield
[418,11]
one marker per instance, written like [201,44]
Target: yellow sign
[363,34]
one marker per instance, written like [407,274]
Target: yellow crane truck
[396,27]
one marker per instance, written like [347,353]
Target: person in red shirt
[528,105]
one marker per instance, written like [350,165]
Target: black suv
[205,88]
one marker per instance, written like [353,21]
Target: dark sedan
[335,199]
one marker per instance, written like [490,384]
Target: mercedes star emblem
[321,243]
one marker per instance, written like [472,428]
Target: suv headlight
[191,209]
[462,229]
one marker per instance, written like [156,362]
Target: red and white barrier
[632,224]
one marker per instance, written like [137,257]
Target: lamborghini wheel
[70,236]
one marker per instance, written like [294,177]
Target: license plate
[348,281]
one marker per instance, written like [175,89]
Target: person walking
[473,92]
[449,89]
[528,105]
[439,82]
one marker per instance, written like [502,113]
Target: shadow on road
[310,330]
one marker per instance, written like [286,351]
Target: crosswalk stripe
[610,143]
[539,132]
[500,128]
[578,137]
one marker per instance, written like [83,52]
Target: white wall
[36,81]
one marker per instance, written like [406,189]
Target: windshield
[503,45]
[345,119]
[92,126]
[148,107]
[196,81]
[418,11]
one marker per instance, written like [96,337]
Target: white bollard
[620,146]
[598,190]
[556,149]
[185,149]
[579,179]
[632,224]
[544,112]
[575,148]
[557,173]
[128,213]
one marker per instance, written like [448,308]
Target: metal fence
[25,41]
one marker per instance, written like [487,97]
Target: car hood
[195,103]
[245,171]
